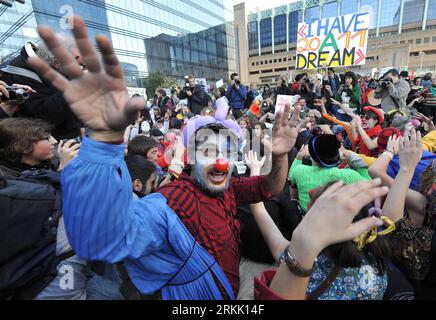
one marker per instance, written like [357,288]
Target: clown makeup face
[214,160]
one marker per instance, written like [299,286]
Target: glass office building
[267,29]
[134,25]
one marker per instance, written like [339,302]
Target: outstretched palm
[99,97]
[285,131]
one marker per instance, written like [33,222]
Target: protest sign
[333,42]
[219,83]
[282,100]
[141,91]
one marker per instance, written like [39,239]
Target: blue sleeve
[394,167]
[103,220]
[229,92]
[243,92]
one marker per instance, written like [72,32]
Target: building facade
[129,24]
[403,34]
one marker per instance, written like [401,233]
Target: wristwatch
[294,266]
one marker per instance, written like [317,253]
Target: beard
[201,177]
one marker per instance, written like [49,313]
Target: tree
[157,80]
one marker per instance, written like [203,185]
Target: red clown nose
[222,165]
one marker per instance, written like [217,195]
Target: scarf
[360,146]
[433,90]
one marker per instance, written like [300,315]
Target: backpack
[30,208]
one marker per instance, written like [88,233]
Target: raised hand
[98,97]
[253,162]
[330,219]
[285,132]
[410,151]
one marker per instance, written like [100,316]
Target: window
[257,63]
[280,59]
[311,14]
[294,18]
[261,63]
[427,40]
[252,63]
[253,40]
[330,10]
[433,39]
[372,7]
[265,33]
[267,71]
[254,72]
[391,13]
[418,41]
[280,29]
[348,7]
[275,60]
[410,41]
[402,41]
[431,14]
[413,11]
[270,61]
[280,69]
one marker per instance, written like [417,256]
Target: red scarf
[359,144]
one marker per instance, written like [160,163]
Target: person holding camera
[348,94]
[237,95]
[282,87]
[49,104]
[392,90]
[11,97]
[301,85]
[197,97]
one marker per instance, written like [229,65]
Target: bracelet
[294,266]
[389,153]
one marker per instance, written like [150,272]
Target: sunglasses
[366,117]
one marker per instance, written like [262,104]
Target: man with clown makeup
[180,243]
[206,200]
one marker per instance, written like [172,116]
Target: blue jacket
[105,222]
[426,159]
[237,97]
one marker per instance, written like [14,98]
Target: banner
[282,100]
[333,42]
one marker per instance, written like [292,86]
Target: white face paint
[215,146]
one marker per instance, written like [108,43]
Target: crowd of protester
[212,194]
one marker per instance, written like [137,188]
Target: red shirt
[212,220]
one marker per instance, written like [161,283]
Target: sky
[251,5]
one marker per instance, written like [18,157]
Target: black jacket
[284,90]
[47,103]
[198,100]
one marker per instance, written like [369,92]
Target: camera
[384,82]
[15,93]
[76,141]
[187,84]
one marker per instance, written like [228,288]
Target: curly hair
[18,136]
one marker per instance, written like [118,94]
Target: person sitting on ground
[366,130]
[324,153]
